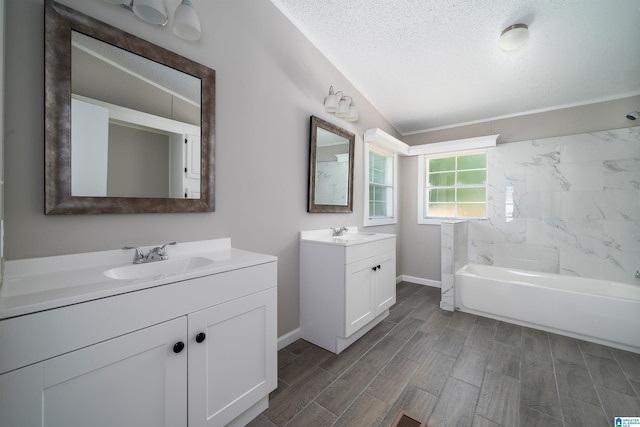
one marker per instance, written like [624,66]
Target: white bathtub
[589,309]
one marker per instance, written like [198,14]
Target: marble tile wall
[567,205]
[454,255]
[331,183]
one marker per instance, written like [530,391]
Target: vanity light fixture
[342,106]
[185,19]
[514,37]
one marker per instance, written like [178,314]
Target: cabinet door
[234,365]
[359,295]
[385,281]
[134,380]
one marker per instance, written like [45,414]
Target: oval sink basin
[158,268]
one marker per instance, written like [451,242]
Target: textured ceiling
[428,64]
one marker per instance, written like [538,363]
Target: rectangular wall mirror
[330,168]
[129,125]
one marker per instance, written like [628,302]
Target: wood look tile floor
[453,369]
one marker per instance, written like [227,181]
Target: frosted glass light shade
[185,21]
[343,108]
[151,11]
[514,37]
[331,102]
[352,116]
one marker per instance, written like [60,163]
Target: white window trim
[384,141]
[421,187]
[372,222]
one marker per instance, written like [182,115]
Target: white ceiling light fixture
[514,37]
[185,20]
[342,106]
[151,11]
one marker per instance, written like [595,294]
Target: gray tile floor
[453,370]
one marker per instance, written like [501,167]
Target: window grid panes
[380,185]
[456,186]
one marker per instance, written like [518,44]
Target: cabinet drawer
[366,250]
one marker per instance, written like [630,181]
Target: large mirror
[330,168]
[129,125]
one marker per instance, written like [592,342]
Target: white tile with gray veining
[567,204]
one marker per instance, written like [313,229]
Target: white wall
[269,80]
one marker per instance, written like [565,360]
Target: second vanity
[91,339]
[347,284]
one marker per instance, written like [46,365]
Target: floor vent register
[405,420]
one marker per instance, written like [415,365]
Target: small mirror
[129,126]
[330,168]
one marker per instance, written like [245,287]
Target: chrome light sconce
[186,24]
[342,106]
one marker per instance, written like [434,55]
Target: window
[380,191]
[453,187]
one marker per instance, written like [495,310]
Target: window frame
[423,188]
[393,156]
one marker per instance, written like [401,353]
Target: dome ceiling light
[514,37]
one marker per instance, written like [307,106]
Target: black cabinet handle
[200,337]
[178,347]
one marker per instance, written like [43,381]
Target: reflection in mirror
[330,168]
[125,136]
[129,126]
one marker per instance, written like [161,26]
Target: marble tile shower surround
[567,205]
[331,183]
[454,255]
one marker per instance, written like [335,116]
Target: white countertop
[38,284]
[350,238]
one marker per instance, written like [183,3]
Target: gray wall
[421,243]
[270,79]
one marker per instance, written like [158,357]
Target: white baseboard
[420,281]
[288,338]
[291,337]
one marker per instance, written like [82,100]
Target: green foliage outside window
[457,186]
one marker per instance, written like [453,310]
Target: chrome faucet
[159,253]
[338,231]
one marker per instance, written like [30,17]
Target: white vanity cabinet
[134,380]
[346,287]
[197,352]
[232,368]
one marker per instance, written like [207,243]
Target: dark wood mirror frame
[59,22]
[312,205]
